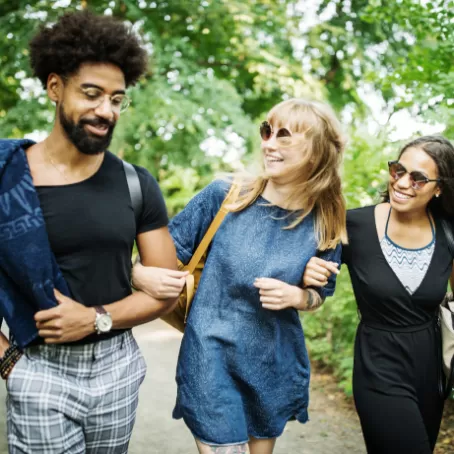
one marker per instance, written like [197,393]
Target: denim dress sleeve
[190,225]
[331,255]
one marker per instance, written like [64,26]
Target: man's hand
[70,321]
[277,295]
[318,271]
[4,344]
[159,283]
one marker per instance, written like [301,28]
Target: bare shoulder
[34,152]
[381,216]
[36,162]
[382,209]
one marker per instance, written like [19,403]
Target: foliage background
[217,66]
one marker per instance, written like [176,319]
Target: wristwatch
[103,321]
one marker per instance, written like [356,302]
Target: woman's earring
[437,195]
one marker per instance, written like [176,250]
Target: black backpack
[135,190]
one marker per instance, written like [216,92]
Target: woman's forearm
[159,283]
[308,299]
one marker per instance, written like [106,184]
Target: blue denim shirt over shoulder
[28,269]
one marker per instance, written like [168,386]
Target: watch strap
[100,310]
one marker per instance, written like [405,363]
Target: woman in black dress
[400,264]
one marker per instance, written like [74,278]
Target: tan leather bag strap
[215,223]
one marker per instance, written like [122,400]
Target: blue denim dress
[243,370]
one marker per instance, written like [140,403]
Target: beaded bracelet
[6,359]
[9,360]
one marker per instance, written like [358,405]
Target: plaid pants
[75,399]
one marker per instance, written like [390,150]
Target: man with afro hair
[75,387]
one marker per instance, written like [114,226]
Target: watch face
[104,323]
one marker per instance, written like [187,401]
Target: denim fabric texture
[28,270]
[243,370]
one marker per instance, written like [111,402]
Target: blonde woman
[243,369]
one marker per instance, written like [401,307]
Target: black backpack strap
[135,190]
[447,228]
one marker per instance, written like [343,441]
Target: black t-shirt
[92,228]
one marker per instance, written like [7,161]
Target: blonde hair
[316,181]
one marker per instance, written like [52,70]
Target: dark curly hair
[441,151]
[83,37]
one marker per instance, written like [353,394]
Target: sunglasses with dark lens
[266,131]
[417,179]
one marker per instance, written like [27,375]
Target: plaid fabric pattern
[75,399]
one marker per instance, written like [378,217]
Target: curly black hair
[82,37]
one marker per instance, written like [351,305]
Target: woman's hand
[159,283]
[277,295]
[318,271]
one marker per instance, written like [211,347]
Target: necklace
[49,157]
[62,172]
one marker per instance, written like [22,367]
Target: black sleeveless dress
[397,366]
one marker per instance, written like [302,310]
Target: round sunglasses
[266,131]
[417,179]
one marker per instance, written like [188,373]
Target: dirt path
[333,428]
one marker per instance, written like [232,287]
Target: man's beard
[84,141]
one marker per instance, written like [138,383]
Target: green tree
[215,66]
